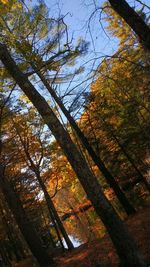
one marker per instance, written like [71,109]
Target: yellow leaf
[5,2]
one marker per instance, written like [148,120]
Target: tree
[35,166]
[119,101]
[125,246]
[12,198]
[28,51]
[134,20]
[108,176]
[12,245]
[24,224]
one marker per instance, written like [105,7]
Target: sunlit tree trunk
[123,242]
[23,222]
[133,20]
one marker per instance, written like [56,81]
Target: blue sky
[77,14]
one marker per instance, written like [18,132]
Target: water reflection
[76,242]
[84,227]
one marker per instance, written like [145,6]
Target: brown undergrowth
[101,253]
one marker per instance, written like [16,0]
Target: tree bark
[23,222]
[134,20]
[123,242]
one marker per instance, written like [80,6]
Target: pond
[75,241]
[83,227]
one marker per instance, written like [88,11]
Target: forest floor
[101,253]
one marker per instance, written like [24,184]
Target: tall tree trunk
[134,20]
[23,222]
[52,209]
[51,214]
[124,244]
[97,160]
